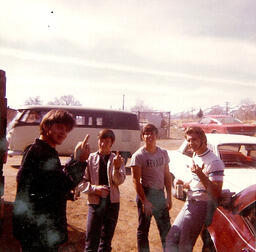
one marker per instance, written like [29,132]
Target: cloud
[160,51]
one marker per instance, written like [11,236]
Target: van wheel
[214,132]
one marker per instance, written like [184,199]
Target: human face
[105,145]
[150,138]
[195,143]
[56,134]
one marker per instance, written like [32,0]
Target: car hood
[238,179]
[179,165]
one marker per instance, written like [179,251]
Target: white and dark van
[24,128]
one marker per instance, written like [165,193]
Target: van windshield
[12,122]
[31,116]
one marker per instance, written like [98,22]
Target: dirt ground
[125,235]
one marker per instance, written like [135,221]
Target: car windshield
[238,155]
[229,120]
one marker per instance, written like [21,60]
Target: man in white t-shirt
[150,168]
[203,191]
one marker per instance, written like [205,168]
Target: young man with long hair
[39,216]
[203,191]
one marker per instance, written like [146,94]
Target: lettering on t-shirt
[155,162]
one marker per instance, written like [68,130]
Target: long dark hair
[56,116]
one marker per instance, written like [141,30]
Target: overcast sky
[172,54]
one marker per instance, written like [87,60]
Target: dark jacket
[42,187]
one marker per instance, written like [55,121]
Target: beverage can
[179,191]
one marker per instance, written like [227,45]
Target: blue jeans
[161,215]
[188,225]
[101,224]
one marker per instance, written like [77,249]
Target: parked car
[234,226]
[225,124]
[238,153]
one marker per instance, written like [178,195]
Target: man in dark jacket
[39,217]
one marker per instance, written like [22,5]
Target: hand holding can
[179,191]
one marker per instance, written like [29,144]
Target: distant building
[160,119]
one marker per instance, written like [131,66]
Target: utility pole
[123,101]
[192,112]
[227,108]
[169,124]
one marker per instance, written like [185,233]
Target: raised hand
[82,150]
[118,161]
[196,168]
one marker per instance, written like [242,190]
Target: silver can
[179,192]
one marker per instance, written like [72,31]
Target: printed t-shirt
[152,166]
[213,169]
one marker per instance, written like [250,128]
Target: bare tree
[217,110]
[140,106]
[68,100]
[247,101]
[33,101]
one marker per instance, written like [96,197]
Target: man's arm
[87,186]
[214,188]
[119,172]
[136,172]
[168,180]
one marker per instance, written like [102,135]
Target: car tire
[214,132]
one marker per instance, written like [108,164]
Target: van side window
[99,121]
[124,121]
[80,120]
[90,120]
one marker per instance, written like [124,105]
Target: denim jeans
[161,215]
[101,224]
[188,225]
